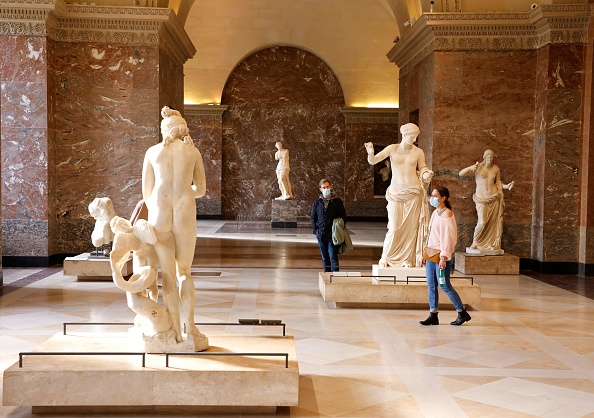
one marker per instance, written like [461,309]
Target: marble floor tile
[527,352]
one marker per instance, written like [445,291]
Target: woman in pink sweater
[443,234]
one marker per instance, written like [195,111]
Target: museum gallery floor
[528,351]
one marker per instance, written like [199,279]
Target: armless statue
[172,178]
[408,213]
[488,198]
[282,172]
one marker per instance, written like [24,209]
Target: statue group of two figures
[408,212]
[172,178]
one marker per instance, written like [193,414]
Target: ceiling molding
[102,24]
[550,24]
[370,115]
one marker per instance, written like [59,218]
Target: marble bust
[282,172]
[489,202]
[408,212]
[101,209]
[172,178]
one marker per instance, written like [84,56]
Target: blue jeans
[329,253]
[432,271]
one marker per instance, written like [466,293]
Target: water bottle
[441,278]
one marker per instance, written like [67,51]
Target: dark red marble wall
[106,116]
[558,126]
[469,102]
[359,196]
[25,137]
[207,133]
[280,94]
[170,81]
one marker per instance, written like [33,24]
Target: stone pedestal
[284,214]
[103,384]
[363,291]
[481,251]
[85,267]
[401,273]
[487,264]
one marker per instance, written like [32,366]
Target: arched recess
[280,94]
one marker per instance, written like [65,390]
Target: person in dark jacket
[324,210]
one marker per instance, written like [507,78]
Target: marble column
[586,181]
[206,128]
[557,142]
[473,83]
[26,135]
[102,75]
[362,125]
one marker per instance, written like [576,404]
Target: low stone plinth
[85,267]
[115,383]
[284,214]
[487,264]
[401,273]
[366,292]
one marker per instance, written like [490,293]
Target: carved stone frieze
[548,24]
[104,24]
[369,115]
[206,112]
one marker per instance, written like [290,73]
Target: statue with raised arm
[408,213]
[172,178]
[282,172]
[488,198]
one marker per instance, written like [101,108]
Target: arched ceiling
[352,37]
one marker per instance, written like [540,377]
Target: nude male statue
[282,172]
[172,178]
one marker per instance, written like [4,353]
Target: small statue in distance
[101,209]
[282,172]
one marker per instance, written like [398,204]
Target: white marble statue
[488,198]
[408,212]
[282,172]
[102,210]
[172,178]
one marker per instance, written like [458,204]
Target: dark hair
[443,191]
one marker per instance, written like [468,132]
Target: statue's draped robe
[408,217]
[487,235]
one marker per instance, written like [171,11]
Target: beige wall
[352,37]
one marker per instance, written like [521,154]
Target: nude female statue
[488,198]
[172,178]
[282,172]
[408,213]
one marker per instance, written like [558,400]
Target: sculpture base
[191,384]
[487,264]
[481,251]
[401,273]
[86,267]
[363,291]
[284,214]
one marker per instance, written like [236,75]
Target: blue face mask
[326,192]
[434,201]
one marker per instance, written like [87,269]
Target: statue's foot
[198,339]
[382,263]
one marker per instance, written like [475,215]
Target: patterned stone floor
[528,351]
